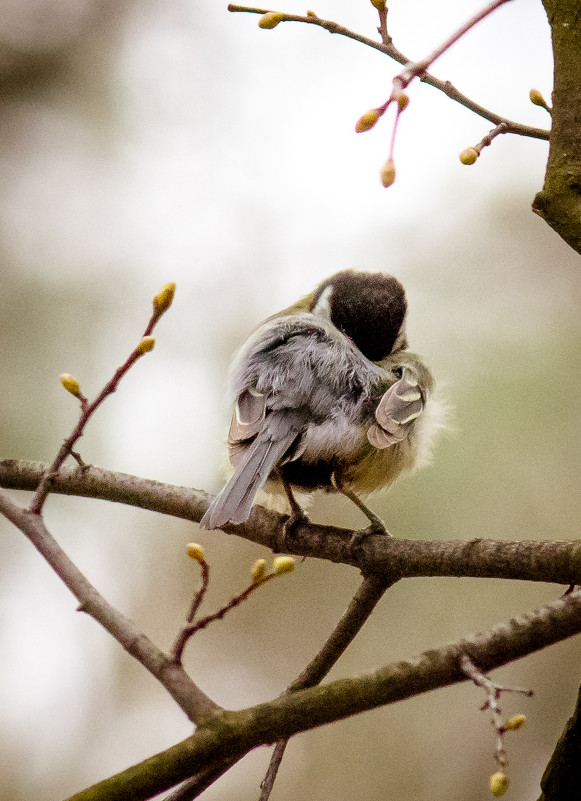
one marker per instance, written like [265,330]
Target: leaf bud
[70,384]
[378,4]
[270,19]
[469,155]
[498,784]
[403,101]
[537,98]
[311,13]
[368,120]
[196,552]
[146,344]
[388,173]
[283,564]
[163,300]
[258,571]
[514,722]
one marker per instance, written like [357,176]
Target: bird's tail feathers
[234,503]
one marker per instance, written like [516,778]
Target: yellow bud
[379,4]
[196,551]
[270,19]
[469,155]
[498,784]
[146,344]
[283,564]
[537,98]
[311,13]
[368,120]
[514,722]
[388,173]
[163,300]
[70,384]
[402,101]
[258,571]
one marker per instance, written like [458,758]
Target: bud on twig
[258,571]
[388,173]
[498,784]
[536,97]
[163,300]
[270,19]
[403,101]
[283,564]
[469,155]
[378,4]
[514,722]
[146,344]
[196,552]
[70,384]
[367,120]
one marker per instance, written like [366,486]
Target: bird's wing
[247,419]
[399,407]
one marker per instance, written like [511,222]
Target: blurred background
[142,143]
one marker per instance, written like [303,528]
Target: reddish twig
[493,692]
[387,48]
[161,304]
[282,564]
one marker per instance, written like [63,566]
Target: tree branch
[548,561]
[562,777]
[236,733]
[195,703]
[559,202]
[390,50]
[362,604]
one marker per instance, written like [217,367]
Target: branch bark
[527,560]
[236,733]
[195,703]
[559,202]
[562,777]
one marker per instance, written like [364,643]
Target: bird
[328,397]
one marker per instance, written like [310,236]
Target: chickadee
[327,397]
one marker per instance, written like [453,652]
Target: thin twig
[88,409]
[190,629]
[389,50]
[493,692]
[183,636]
[360,608]
[382,28]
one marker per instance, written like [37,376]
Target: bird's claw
[295,519]
[376,526]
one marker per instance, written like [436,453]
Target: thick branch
[357,613]
[236,733]
[559,202]
[562,777]
[548,561]
[172,676]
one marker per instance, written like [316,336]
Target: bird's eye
[397,371]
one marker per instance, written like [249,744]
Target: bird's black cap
[369,308]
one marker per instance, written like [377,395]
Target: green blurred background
[143,143]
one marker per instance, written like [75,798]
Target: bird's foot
[295,519]
[377,526]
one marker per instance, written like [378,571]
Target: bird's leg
[376,524]
[296,516]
